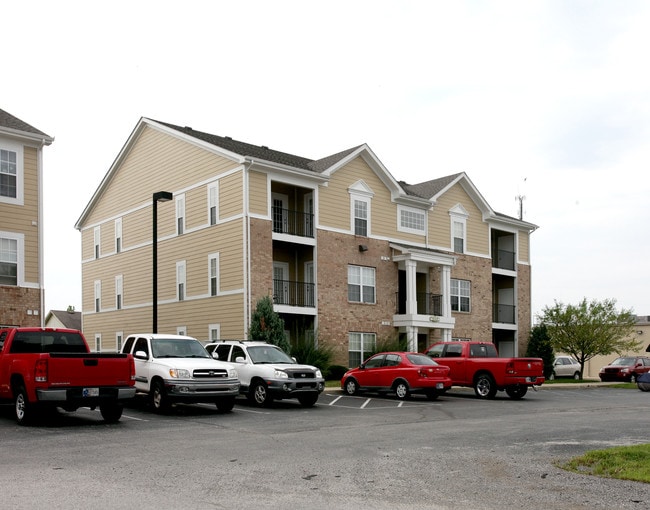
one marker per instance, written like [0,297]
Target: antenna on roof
[520,199]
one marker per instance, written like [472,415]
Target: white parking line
[133,418]
[335,400]
[365,403]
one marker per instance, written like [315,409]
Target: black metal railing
[427,303]
[286,292]
[505,314]
[286,221]
[503,259]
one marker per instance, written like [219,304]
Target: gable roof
[13,125]
[71,320]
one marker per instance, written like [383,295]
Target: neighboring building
[641,334]
[342,247]
[21,222]
[63,319]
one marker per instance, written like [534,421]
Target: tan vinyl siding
[258,196]
[156,162]
[477,233]
[87,243]
[523,253]
[231,193]
[29,213]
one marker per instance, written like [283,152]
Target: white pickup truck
[175,368]
[267,372]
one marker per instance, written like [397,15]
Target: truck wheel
[308,400]
[485,387]
[159,400]
[24,410]
[576,376]
[402,390]
[225,405]
[351,386]
[516,391]
[111,412]
[259,395]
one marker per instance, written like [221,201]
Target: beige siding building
[348,254]
[21,222]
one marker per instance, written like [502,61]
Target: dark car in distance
[625,368]
[403,373]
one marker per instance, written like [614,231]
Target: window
[213,271]
[8,174]
[460,294]
[361,284]
[214,332]
[8,261]
[98,342]
[213,203]
[96,240]
[180,214]
[411,220]
[180,280]
[118,292]
[360,217]
[458,215]
[98,295]
[181,330]
[119,337]
[360,345]
[118,235]
[459,237]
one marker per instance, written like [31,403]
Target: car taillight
[40,371]
[510,367]
[423,372]
[132,368]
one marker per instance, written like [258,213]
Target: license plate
[90,392]
[440,386]
[531,379]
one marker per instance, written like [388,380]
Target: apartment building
[21,222]
[349,254]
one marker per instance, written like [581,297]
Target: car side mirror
[240,359]
[140,355]
[215,355]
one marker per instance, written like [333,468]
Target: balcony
[503,259]
[286,292]
[427,303]
[295,223]
[504,314]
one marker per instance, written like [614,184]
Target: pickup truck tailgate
[527,367]
[89,369]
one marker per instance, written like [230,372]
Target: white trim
[211,328]
[213,196]
[181,330]
[180,214]
[413,210]
[98,342]
[211,257]
[20,256]
[18,149]
[181,279]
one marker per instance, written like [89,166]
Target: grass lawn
[623,462]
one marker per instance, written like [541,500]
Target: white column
[412,338]
[445,290]
[411,295]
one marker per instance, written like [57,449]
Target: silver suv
[266,372]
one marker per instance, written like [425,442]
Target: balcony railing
[286,292]
[503,259]
[505,314]
[286,221]
[427,303]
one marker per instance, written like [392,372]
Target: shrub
[335,372]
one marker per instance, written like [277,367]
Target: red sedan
[401,372]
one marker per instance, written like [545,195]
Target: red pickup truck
[478,365]
[46,367]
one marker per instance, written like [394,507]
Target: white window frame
[181,280]
[118,235]
[180,214]
[355,216]
[98,342]
[97,239]
[119,340]
[360,192]
[119,292]
[19,239]
[404,214]
[359,276]
[214,332]
[213,274]
[367,344]
[17,149]
[213,203]
[98,296]
[458,217]
[181,330]
[461,289]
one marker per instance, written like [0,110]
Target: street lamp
[158,196]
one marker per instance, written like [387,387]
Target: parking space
[370,401]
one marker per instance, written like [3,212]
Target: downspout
[41,248]
[247,252]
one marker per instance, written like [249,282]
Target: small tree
[589,329]
[539,346]
[267,325]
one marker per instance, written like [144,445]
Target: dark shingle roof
[428,189]
[262,152]
[9,121]
[71,320]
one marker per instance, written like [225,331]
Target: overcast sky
[544,99]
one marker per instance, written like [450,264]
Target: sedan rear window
[420,359]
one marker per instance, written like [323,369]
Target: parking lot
[345,452]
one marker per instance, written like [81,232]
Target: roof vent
[188,128]
[265,147]
[227,138]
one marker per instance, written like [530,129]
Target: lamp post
[158,196]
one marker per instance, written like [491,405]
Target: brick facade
[20,306]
